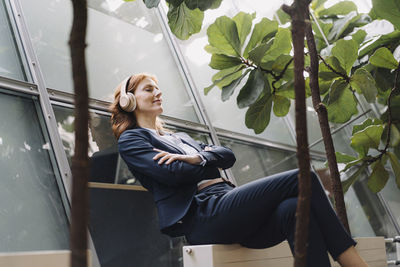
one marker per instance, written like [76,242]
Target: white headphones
[127,100]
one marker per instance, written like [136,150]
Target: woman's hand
[171,157]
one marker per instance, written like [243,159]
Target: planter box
[54,258]
[372,249]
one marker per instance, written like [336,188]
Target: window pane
[32,216]
[391,194]
[10,61]
[123,39]
[253,162]
[373,210]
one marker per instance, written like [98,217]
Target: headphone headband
[124,84]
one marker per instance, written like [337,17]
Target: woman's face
[148,98]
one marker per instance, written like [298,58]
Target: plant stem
[298,15]
[80,160]
[322,112]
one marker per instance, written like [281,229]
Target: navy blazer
[173,186]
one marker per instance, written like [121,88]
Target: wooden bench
[54,258]
[372,249]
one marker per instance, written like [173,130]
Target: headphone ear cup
[132,102]
[127,100]
[124,102]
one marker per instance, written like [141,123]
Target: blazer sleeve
[219,156]
[138,152]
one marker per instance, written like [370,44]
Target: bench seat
[372,249]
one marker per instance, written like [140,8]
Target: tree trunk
[321,110]
[80,160]
[296,12]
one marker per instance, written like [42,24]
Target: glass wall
[10,61]
[255,161]
[32,216]
[123,39]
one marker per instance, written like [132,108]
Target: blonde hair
[122,120]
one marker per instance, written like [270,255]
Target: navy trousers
[261,214]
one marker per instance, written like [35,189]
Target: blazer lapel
[189,141]
[168,143]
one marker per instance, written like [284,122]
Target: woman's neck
[146,122]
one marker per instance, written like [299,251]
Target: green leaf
[174,3]
[359,36]
[343,158]
[342,104]
[258,115]
[184,22]
[341,8]
[324,86]
[200,4]
[383,58]
[365,124]
[223,34]
[317,4]
[151,3]
[282,44]
[379,41]
[252,89]
[219,61]
[258,52]
[280,63]
[365,139]
[319,37]
[220,75]
[243,23]
[394,161]
[346,51]
[261,30]
[224,77]
[281,105]
[346,184]
[352,163]
[389,10]
[394,136]
[281,16]
[378,178]
[363,82]
[228,90]
[286,90]
[395,109]
[340,25]
[216,4]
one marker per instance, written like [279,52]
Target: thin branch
[248,63]
[344,76]
[389,102]
[322,112]
[280,76]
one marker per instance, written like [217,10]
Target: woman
[193,200]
